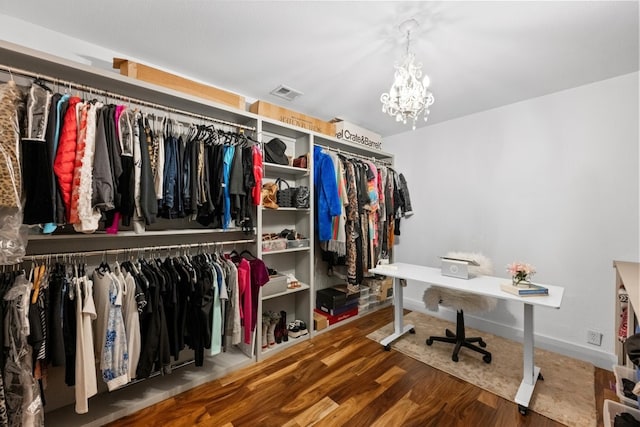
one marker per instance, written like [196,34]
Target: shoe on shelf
[302,327]
[283,326]
[293,331]
[266,321]
[292,282]
[274,318]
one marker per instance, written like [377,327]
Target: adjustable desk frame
[481,285]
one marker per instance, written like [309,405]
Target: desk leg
[530,371]
[398,328]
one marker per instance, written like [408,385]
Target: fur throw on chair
[435,296]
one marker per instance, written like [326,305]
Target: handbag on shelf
[270,195]
[301,200]
[301,162]
[286,196]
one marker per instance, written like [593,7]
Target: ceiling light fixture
[408,96]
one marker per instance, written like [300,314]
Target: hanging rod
[138,249]
[85,88]
[360,156]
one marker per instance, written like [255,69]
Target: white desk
[482,285]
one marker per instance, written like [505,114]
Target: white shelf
[285,169]
[270,351]
[284,251]
[306,210]
[104,235]
[302,287]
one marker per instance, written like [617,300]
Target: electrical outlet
[594,337]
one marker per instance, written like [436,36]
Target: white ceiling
[479,55]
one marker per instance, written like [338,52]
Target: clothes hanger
[247,252]
[40,82]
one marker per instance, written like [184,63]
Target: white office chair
[435,296]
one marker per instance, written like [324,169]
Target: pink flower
[520,271]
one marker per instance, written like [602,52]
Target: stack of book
[531,290]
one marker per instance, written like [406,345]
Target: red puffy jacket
[66,154]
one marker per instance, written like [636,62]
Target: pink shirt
[244,286]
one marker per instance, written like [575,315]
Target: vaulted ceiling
[479,55]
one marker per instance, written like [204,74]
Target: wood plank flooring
[342,378]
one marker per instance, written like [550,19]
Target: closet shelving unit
[298,261]
[348,149]
[302,262]
[106,407]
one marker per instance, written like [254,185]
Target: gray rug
[566,395]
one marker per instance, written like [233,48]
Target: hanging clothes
[86,383]
[326,193]
[127,179]
[131,320]
[66,153]
[148,200]
[153,326]
[11,106]
[229,151]
[36,178]
[24,404]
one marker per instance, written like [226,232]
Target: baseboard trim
[599,358]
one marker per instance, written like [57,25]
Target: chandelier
[408,97]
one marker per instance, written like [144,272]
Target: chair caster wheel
[454,357]
[482,344]
[486,358]
[387,347]
[412,331]
[429,341]
[540,377]
[522,410]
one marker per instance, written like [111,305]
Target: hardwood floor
[342,378]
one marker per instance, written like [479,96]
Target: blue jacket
[326,191]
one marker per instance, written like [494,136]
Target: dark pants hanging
[36,179]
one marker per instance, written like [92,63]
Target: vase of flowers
[521,273]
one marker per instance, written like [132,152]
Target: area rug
[566,395]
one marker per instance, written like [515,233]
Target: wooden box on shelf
[292,117]
[181,84]
[320,322]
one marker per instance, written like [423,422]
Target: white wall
[552,181]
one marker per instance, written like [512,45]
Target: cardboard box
[386,290]
[181,84]
[349,132]
[335,319]
[320,322]
[292,117]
